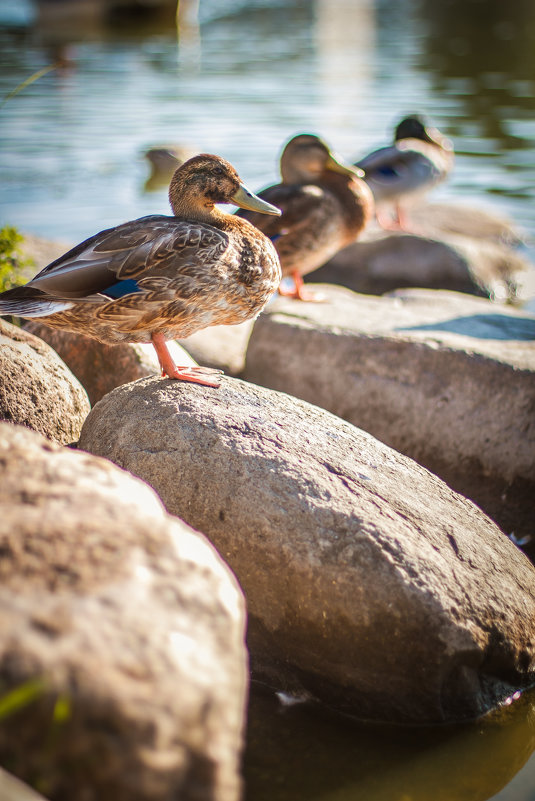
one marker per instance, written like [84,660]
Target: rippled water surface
[251,75]
[72,142]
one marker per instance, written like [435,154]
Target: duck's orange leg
[206,376]
[400,222]
[299,292]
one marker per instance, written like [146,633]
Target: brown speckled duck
[324,203]
[159,278]
[419,158]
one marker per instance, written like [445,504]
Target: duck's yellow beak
[335,164]
[246,199]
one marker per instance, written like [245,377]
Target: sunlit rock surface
[100,368]
[220,346]
[451,247]
[121,636]
[36,387]
[447,379]
[370,583]
[12,789]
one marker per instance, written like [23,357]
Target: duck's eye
[218,171]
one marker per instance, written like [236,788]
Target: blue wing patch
[386,171]
[121,288]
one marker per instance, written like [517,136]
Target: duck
[419,158]
[163,277]
[325,205]
[163,161]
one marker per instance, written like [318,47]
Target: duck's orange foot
[206,376]
[298,291]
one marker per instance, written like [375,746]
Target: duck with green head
[160,278]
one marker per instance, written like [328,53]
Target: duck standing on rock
[419,158]
[160,278]
[325,205]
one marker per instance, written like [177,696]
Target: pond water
[243,81]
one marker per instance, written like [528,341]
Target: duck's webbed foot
[299,292]
[207,376]
[400,222]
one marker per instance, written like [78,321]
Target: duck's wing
[150,247]
[143,254]
[377,158]
[297,204]
[404,167]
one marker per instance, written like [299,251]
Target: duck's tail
[26,301]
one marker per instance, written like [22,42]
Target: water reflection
[188,34]
[345,45]
[484,54]
[299,753]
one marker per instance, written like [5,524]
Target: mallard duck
[324,203]
[159,278]
[419,158]
[164,160]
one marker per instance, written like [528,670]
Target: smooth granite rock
[36,387]
[446,379]
[121,636]
[369,582]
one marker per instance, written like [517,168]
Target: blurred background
[239,78]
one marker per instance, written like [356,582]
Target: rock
[459,249]
[434,219]
[446,379]
[36,387]
[39,252]
[121,633]
[100,368]
[12,789]
[220,346]
[369,582]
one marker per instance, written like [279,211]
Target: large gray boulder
[36,387]
[452,247]
[370,583]
[446,379]
[121,636]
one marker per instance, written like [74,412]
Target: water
[250,77]
[298,753]
[71,143]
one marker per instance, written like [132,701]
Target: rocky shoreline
[356,495]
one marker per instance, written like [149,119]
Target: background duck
[159,278]
[324,203]
[419,159]
[164,160]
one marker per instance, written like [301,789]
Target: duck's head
[204,180]
[415,127]
[306,157]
